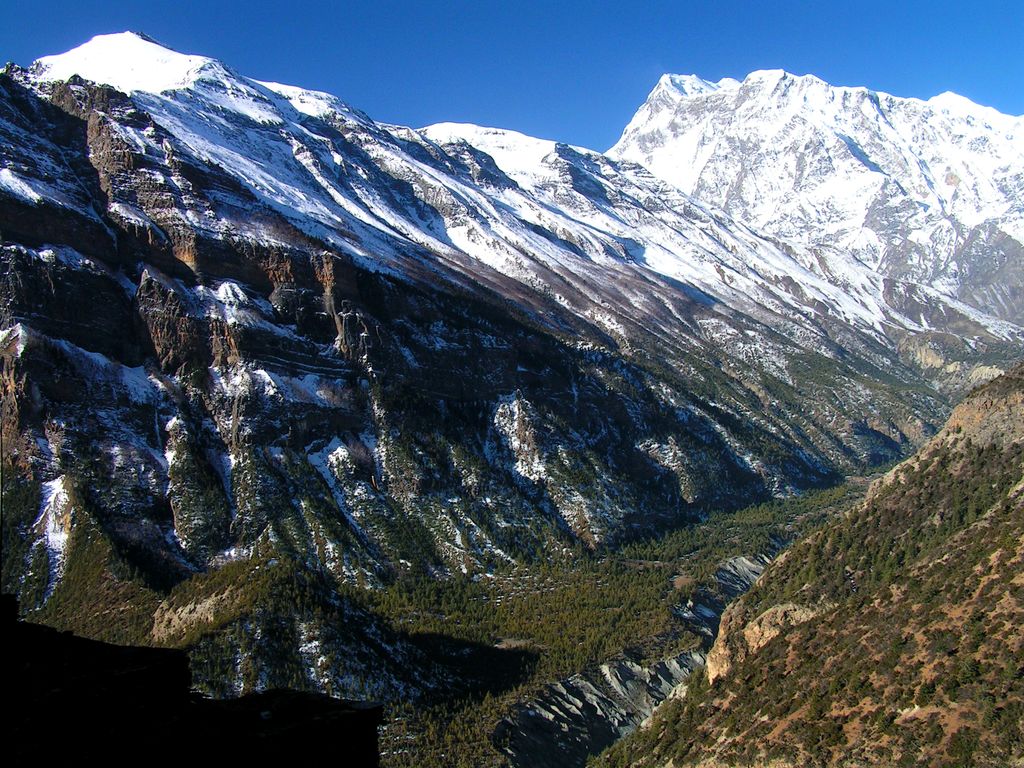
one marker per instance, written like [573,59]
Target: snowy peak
[129,62]
[956,105]
[927,190]
[136,64]
[776,90]
[779,78]
[523,158]
[691,85]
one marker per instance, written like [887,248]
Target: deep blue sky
[572,71]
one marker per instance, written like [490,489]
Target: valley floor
[533,631]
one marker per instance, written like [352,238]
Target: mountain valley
[490,428]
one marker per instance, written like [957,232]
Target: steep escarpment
[888,636]
[370,361]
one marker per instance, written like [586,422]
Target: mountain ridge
[694,85]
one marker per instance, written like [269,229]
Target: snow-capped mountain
[926,191]
[373,349]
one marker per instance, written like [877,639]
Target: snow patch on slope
[53,525]
[520,156]
[18,187]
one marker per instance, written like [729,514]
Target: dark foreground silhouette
[68,698]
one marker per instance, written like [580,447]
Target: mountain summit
[129,62]
[929,191]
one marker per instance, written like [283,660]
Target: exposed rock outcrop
[739,638]
[580,716]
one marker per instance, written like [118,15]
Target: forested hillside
[890,636]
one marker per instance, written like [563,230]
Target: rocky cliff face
[739,638]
